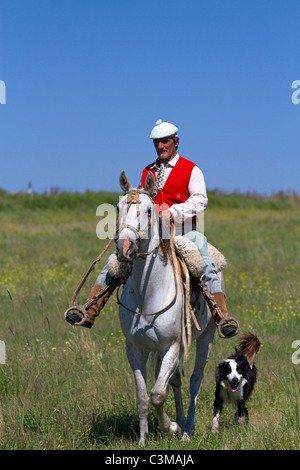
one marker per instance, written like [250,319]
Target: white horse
[151,313]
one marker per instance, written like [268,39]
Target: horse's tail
[154,363]
[248,346]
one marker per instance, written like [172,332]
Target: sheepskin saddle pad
[187,250]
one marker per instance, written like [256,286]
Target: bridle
[133,198]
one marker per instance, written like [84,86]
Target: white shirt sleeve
[197,201]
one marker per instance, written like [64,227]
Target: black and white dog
[235,380]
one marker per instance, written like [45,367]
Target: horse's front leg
[138,359]
[168,367]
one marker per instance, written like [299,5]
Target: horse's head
[135,217]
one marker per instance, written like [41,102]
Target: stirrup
[83,309]
[224,321]
[80,310]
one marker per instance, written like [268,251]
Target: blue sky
[87,79]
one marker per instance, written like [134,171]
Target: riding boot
[98,296]
[217,306]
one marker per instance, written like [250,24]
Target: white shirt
[197,201]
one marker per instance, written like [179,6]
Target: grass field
[71,388]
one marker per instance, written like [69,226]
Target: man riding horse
[180,194]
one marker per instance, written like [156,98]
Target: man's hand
[166,216]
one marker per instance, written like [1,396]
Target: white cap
[163,129]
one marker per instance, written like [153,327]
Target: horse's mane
[165,244]
[165,247]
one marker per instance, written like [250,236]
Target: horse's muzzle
[126,249]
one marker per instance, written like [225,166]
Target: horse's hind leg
[138,359]
[168,367]
[204,344]
[175,381]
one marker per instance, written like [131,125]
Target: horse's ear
[150,182]
[124,183]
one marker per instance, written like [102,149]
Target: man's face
[165,148]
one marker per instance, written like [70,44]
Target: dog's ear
[220,372]
[244,363]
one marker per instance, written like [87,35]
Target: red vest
[175,189]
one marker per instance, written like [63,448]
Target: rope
[76,293]
[188,316]
[82,309]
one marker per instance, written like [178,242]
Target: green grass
[70,388]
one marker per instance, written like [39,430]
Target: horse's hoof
[185,437]
[174,428]
[143,440]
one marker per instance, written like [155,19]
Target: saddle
[186,251]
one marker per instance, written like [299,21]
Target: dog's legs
[218,406]
[216,420]
[241,416]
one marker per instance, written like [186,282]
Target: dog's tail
[248,346]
